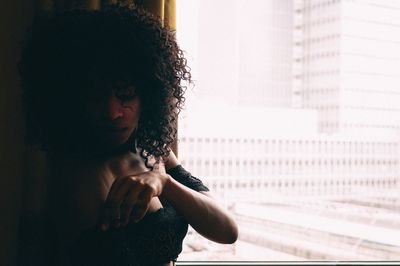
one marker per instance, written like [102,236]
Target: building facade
[347,54]
[309,153]
[241,167]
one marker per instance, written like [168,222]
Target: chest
[80,195]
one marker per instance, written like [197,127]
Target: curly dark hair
[66,53]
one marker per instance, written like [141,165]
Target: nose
[114,108]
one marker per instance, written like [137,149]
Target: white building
[347,54]
[240,51]
[234,154]
[315,86]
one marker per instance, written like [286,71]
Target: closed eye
[126,94]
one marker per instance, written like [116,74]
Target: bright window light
[294,125]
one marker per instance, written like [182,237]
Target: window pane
[294,125]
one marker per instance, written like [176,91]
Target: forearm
[202,213]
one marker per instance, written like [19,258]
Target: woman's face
[113,116]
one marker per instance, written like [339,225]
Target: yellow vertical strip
[92,4]
[155,7]
[166,10]
[170,13]
[170,21]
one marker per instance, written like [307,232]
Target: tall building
[347,57]
[265,30]
[245,56]
[327,66]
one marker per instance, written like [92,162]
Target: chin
[115,144]
[118,144]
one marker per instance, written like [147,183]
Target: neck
[95,152]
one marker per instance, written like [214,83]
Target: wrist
[167,185]
[170,183]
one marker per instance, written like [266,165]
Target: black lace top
[155,240]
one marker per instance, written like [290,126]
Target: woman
[102,90]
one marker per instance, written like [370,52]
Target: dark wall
[15,15]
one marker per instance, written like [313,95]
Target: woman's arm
[199,209]
[202,212]
[129,198]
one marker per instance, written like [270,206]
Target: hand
[170,161]
[129,197]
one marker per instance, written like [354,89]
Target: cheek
[132,114]
[131,118]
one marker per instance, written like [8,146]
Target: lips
[117,129]
[111,129]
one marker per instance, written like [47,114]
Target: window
[311,180]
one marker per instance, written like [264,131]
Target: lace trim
[185,178]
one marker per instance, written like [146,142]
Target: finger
[118,198]
[114,187]
[143,204]
[129,202]
[102,217]
[106,216]
[170,161]
[115,196]
[140,211]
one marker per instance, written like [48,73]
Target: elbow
[227,234]
[232,233]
